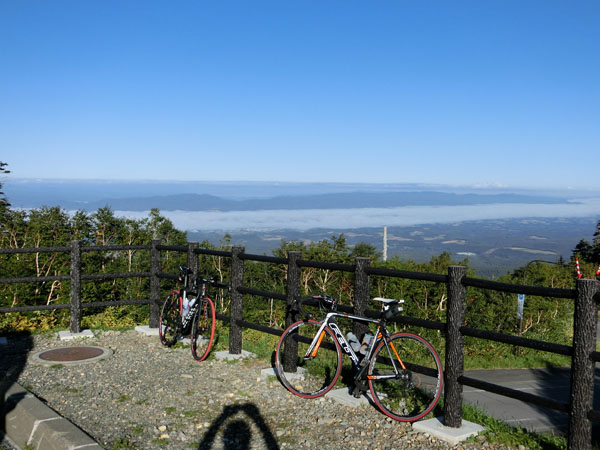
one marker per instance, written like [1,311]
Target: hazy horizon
[27,193]
[364,217]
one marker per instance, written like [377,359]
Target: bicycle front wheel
[315,374]
[203,330]
[169,321]
[405,377]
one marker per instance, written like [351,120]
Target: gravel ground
[146,396]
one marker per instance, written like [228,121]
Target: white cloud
[365,217]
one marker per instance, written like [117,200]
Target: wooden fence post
[155,302]
[361,294]
[237,278]
[292,291]
[455,319]
[192,258]
[75,287]
[582,366]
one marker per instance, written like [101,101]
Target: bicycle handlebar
[219,284]
[185,270]
[392,309]
[298,303]
[329,303]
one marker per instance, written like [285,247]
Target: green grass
[503,356]
[122,443]
[261,344]
[70,390]
[499,432]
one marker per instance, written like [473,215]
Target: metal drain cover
[71,355]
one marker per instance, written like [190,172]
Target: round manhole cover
[71,355]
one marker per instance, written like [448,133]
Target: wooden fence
[582,351]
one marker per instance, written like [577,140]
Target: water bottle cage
[189,314]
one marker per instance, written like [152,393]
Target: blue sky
[451,92]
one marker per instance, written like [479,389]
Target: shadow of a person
[237,434]
[13,357]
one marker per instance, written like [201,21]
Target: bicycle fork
[361,378]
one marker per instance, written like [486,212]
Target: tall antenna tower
[385,243]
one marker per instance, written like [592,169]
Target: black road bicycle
[402,371]
[189,311]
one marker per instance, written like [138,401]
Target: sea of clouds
[365,217]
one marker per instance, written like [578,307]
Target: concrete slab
[68,336]
[146,330]
[270,372]
[225,355]
[341,395]
[185,340]
[344,397]
[29,423]
[436,428]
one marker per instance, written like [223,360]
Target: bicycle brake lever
[298,304]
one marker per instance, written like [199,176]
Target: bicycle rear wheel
[203,330]
[316,375]
[410,393]
[169,321]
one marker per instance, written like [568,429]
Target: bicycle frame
[200,300]
[381,334]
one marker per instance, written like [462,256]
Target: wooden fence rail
[582,351]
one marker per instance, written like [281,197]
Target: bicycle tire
[316,376]
[415,392]
[203,330]
[169,321]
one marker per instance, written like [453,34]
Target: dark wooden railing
[582,352]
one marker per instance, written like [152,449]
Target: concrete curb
[29,422]
[435,427]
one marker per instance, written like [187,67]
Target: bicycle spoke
[169,327]
[405,394]
[315,374]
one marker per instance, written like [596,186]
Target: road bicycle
[189,311]
[402,371]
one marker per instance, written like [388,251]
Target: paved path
[550,383]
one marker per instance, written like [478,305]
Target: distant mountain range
[496,228]
[205,202]
[89,195]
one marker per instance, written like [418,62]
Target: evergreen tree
[3,201]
